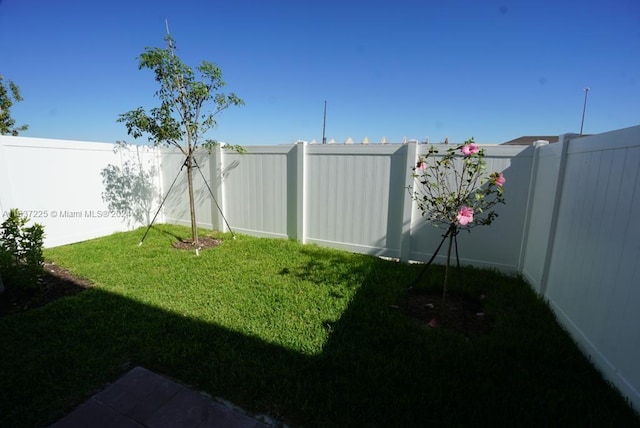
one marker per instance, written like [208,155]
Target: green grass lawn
[299,332]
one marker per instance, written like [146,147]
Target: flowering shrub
[465,215]
[454,190]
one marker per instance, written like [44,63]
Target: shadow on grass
[374,370]
[54,283]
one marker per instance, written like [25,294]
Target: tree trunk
[452,234]
[192,205]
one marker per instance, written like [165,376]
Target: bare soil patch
[463,314]
[204,242]
[55,283]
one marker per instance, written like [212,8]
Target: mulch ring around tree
[204,242]
[54,283]
[462,314]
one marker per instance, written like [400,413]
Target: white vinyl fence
[59,185]
[568,225]
[591,269]
[356,198]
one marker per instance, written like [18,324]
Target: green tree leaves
[190,102]
[9,94]
[445,184]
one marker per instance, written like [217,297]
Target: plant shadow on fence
[373,370]
[129,189]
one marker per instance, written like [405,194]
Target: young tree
[455,192]
[189,105]
[8,95]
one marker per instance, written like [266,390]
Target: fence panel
[497,245]
[593,274]
[59,184]
[539,216]
[257,190]
[354,197]
[174,173]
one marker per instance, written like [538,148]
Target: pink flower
[433,323]
[465,215]
[421,166]
[470,149]
[498,178]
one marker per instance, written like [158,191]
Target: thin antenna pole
[170,43]
[171,47]
[324,123]
[584,108]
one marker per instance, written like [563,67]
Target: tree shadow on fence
[129,189]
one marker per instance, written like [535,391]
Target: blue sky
[494,70]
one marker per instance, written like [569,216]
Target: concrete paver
[142,398]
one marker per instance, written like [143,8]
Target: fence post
[407,205]
[156,152]
[564,140]
[216,173]
[296,195]
[3,180]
